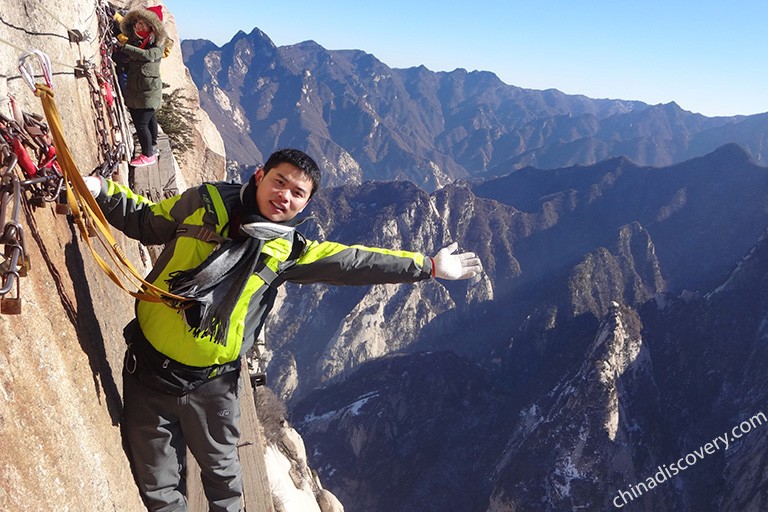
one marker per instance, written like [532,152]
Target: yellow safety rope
[82,202]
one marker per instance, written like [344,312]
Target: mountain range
[366,121]
[619,325]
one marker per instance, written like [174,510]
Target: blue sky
[708,56]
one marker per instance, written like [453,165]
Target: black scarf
[217,283]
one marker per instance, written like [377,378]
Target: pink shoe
[142,161]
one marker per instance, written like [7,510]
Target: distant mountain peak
[309,44]
[370,121]
[256,36]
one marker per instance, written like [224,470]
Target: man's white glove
[446,265]
[94,185]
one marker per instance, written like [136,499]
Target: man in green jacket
[228,247]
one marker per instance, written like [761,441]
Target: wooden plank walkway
[157,182]
[257,496]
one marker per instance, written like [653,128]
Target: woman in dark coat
[147,42]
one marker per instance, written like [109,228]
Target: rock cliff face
[61,361]
[205,160]
[618,327]
[413,432]
[583,440]
[61,357]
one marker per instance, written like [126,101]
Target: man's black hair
[298,158]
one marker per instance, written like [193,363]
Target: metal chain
[120,130]
[85,70]
[111,125]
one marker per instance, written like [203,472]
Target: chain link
[109,119]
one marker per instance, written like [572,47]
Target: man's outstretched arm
[334,263]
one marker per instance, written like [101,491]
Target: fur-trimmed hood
[151,19]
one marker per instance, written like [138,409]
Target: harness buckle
[130,362]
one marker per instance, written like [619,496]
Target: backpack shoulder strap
[272,278]
[214,210]
[269,276]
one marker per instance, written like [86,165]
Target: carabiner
[28,74]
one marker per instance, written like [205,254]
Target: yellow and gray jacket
[183,224]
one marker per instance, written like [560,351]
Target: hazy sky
[708,56]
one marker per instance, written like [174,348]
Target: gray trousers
[158,427]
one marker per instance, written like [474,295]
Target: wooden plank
[196,501]
[258,497]
[256,493]
[156,181]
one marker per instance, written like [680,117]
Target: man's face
[283,192]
